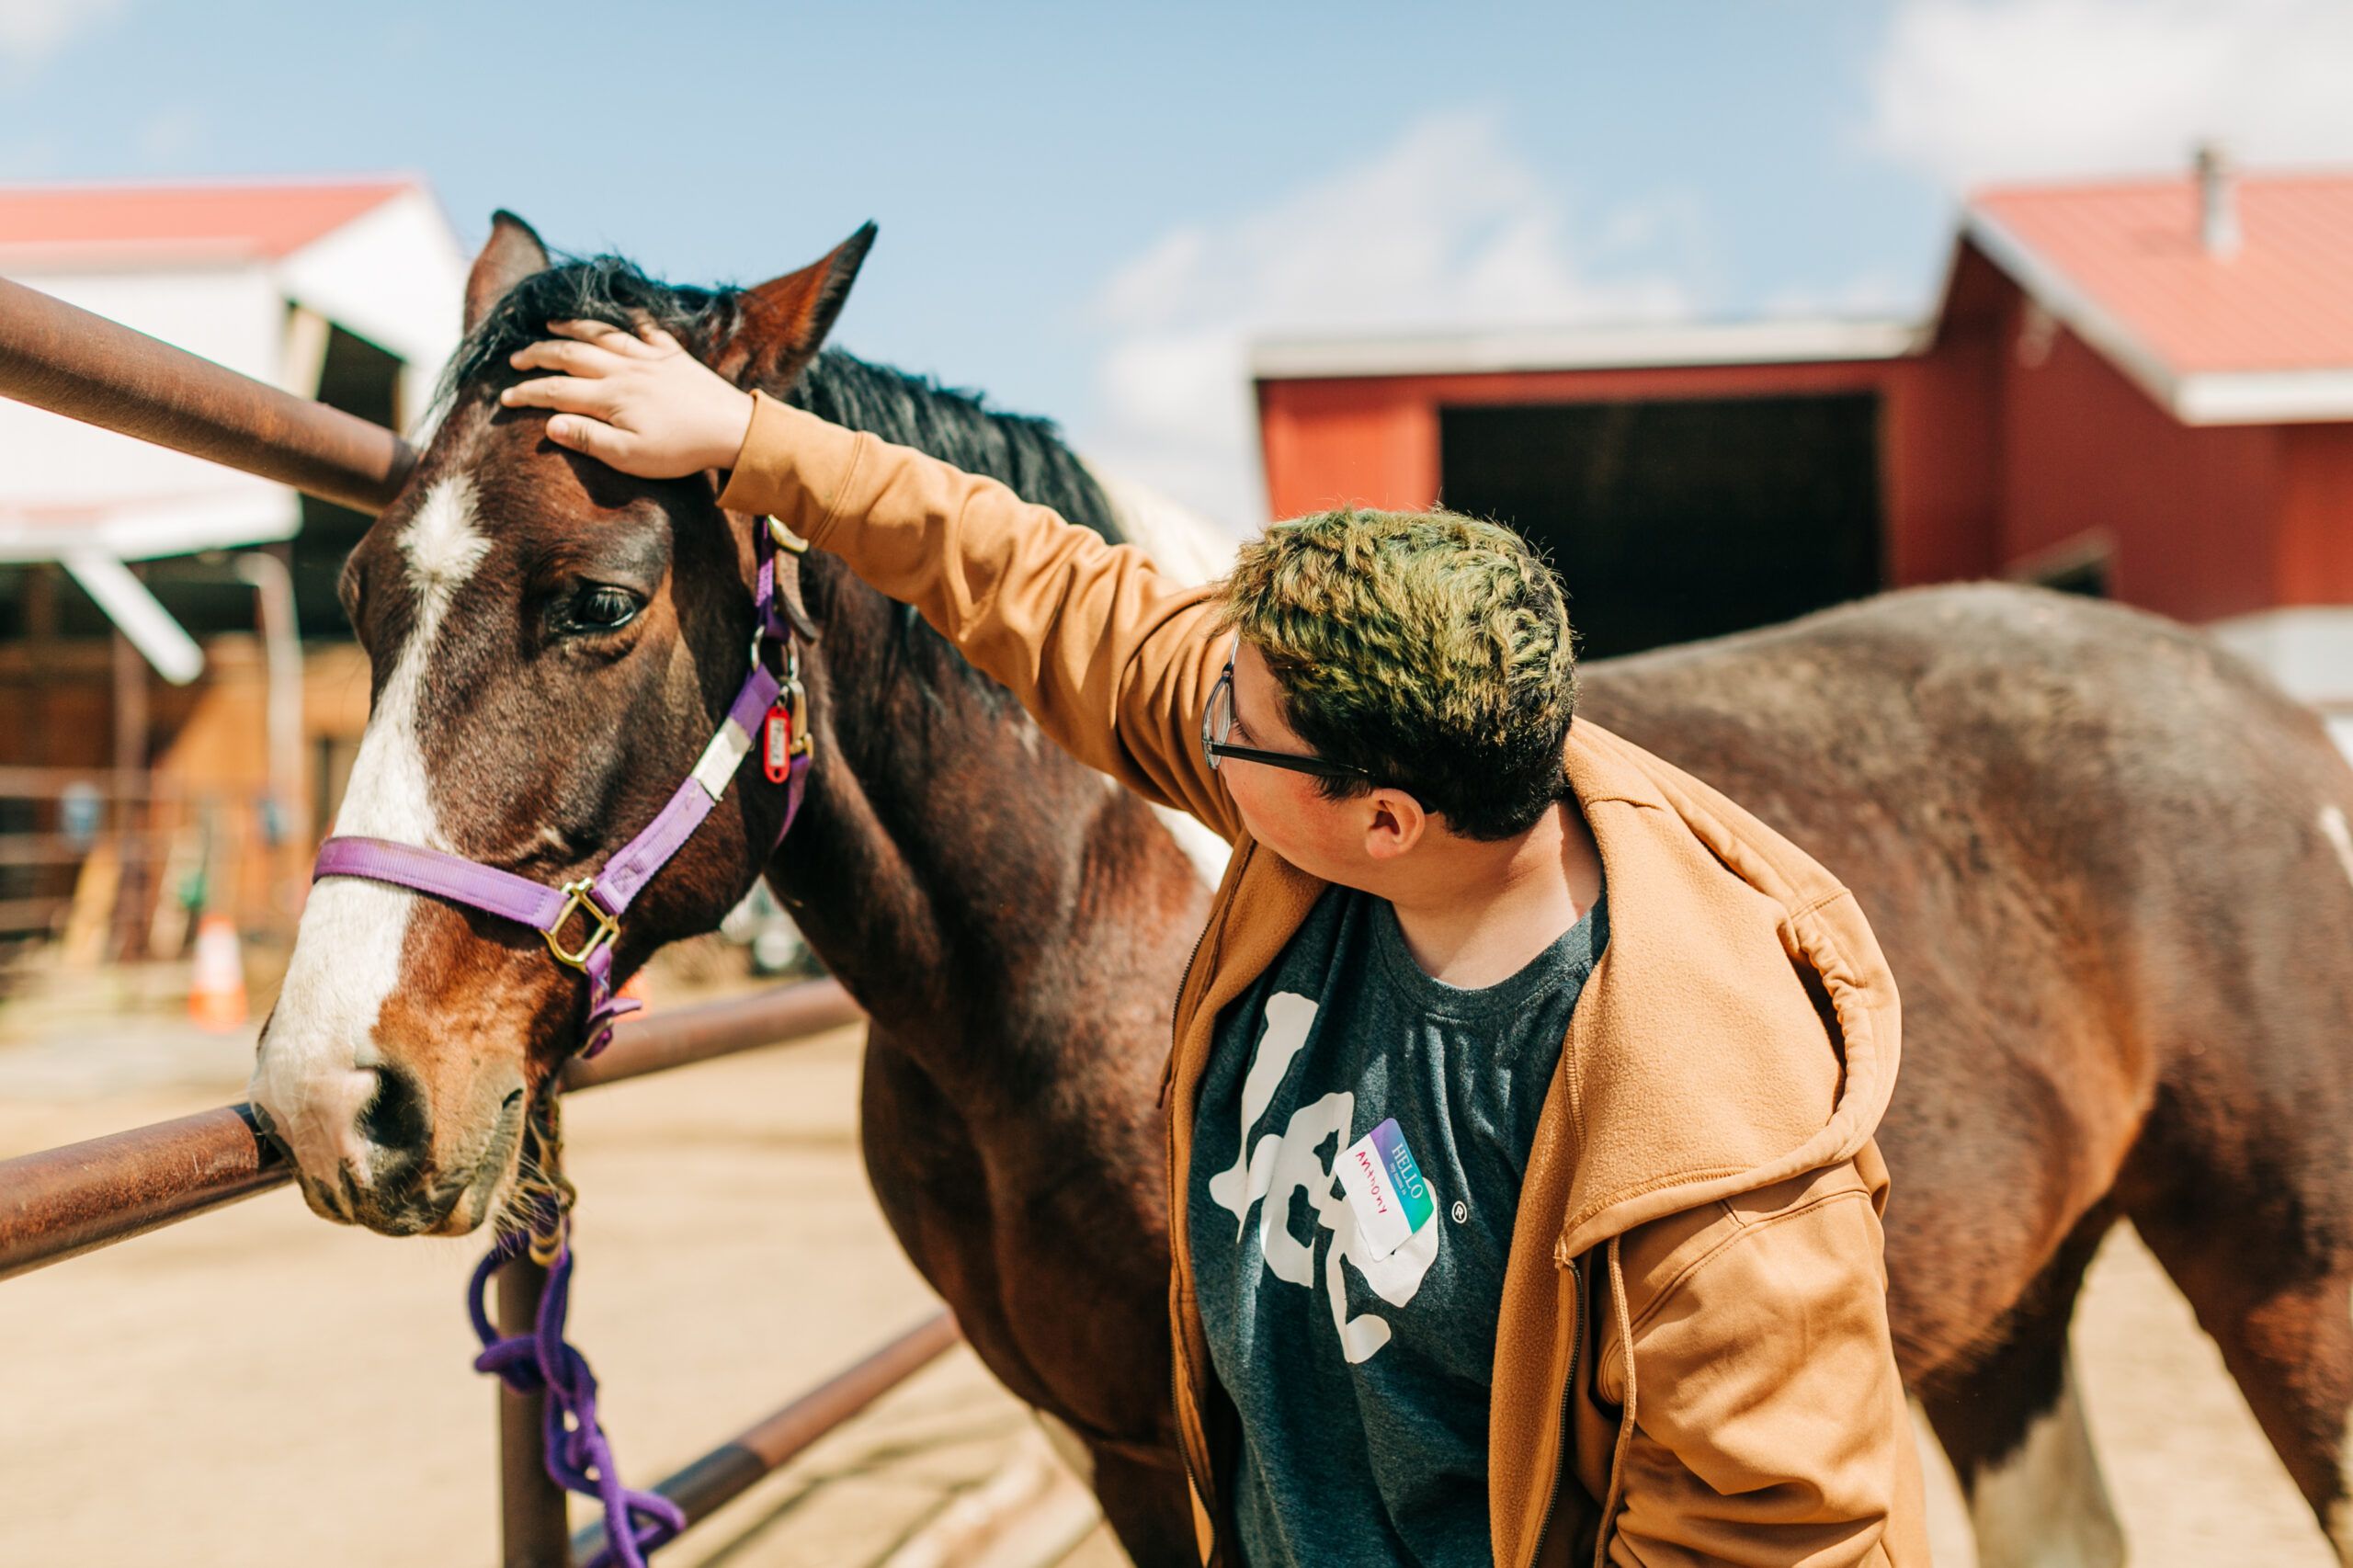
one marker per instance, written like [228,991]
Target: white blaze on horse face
[315,1074]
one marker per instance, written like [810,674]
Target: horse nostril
[394,1120]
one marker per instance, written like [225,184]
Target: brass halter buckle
[785,540]
[797,697]
[602,928]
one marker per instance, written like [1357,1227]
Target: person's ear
[1394,823]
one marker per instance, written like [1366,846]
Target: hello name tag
[1385,1190]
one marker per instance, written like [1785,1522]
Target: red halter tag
[776,744]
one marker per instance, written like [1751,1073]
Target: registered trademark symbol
[1462,1211]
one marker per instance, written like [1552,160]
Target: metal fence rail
[62,1202]
[736,1466]
[62,359]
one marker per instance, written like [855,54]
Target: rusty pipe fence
[60,1203]
[63,358]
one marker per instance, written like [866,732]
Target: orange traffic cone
[216,994]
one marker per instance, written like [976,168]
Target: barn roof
[2256,333]
[1593,347]
[243,221]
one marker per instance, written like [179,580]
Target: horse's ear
[786,319]
[512,253]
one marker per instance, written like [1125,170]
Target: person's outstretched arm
[1114,661]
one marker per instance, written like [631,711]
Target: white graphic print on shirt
[1286,1163]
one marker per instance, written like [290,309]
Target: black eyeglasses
[1217,723]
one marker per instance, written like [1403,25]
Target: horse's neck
[952,866]
[986,895]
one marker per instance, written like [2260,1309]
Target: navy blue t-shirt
[1361,1363]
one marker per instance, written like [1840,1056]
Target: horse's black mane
[1027,454]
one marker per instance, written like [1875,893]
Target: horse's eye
[603,608]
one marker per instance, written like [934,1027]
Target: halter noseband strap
[770,710]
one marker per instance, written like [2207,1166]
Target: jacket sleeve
[1114,661]
[1768,1425]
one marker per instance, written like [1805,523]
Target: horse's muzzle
[380,1170]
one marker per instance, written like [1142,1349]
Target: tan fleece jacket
[1692,1363]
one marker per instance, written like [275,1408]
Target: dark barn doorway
[1675,520]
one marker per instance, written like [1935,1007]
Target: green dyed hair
[1430,649]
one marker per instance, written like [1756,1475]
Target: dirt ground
[260,1389]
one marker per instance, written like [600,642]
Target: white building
[348,290]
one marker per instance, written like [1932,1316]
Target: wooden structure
[169,626]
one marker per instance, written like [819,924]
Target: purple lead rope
[579,1456]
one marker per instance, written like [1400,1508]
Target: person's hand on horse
[637,401]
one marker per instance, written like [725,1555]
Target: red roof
[2129,252]
[263,220]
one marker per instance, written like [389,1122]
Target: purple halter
[769,714]
[601,899]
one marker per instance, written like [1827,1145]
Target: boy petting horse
[1523,1194]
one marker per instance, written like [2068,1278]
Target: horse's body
[2107,864]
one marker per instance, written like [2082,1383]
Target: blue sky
[1088,209]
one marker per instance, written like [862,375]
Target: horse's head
[551,645]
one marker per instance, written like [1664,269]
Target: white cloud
[1873,292]
[1970,91]
[1449,226]
[170,134]
[32,30]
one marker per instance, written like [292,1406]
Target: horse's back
[1989,683]
[2101,770]
[2105,859]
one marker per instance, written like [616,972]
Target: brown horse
[2109,865]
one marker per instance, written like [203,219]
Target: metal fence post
[532,1528]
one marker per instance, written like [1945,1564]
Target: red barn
[2141,389]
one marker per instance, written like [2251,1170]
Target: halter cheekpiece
[771,714]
